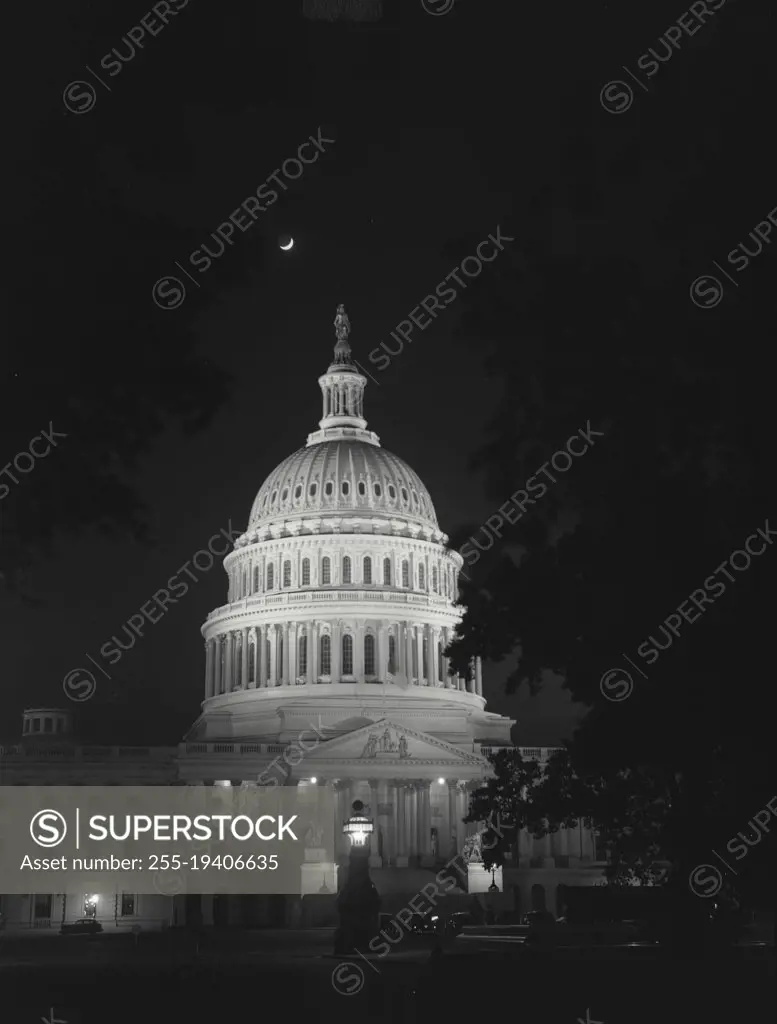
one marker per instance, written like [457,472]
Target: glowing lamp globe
[358,827]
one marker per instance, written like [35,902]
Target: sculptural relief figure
[371,746]
[472,851]
[386,742]
[403,747]
[314,836]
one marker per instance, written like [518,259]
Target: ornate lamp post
[493,887]
[358,902]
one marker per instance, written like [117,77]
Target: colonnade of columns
[402,813]
[295,653]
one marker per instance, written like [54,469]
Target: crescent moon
[287,247]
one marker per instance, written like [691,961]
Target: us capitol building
[327,667]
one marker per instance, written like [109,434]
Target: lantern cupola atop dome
[342,390]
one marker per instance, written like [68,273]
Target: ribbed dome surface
[342,477]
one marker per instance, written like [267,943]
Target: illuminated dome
[342,477]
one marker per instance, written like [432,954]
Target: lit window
[367,569]
[405,574]
[435,579]
[256,580]
[347,655]
[386,572]
[422,577]
[326,656]
[326,570]
[287,574]
[369,655]
[346,569]
[271,577]
[305,572]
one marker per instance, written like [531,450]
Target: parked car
[83,926]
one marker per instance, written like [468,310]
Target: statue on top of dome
[342,324]
[342,330]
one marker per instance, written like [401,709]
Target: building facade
[327,665]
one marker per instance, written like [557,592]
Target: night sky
[443,127]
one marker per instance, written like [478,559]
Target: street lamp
[358,902]
[493,887]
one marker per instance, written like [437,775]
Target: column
[376,861]
[358,651]
[453,788]
[336,656]
[401,856]
[273,672]
[292,647]
[413,844]
[425,823]
[419,650]
[230,660]
[311,642]
[380,643]
[408,652]
[209,664]
[390,840]
[217,652]
[478,677]
[261,659]
[286,676]
[244,664]
[315,654]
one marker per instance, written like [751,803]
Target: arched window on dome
[426,659]
[251,663]
[440,665]
[346,569]
[287,574]
[256,580]
[271,577]
[326,570]
[421,577]
[435,579]
[347,654]
[326,655]
[302,655]
[386,572]
[305,572]
[405,573]
[369,655]
[367,569]
[392,654]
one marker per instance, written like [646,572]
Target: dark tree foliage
[588,320]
